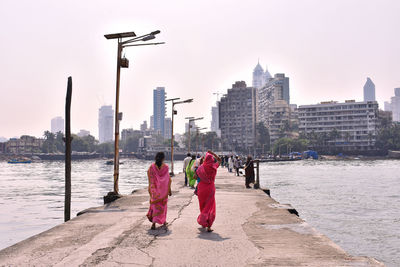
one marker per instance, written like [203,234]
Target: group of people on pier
[201,170]
[235,163]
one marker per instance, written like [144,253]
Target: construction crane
[217,94]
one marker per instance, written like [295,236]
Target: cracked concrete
[251,229]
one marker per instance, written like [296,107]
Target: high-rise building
[152,122]
[273,105]
[106,124]
[280,114]
[276,88]
[215,120]
[394,105]
[159,109]
[167,128]
[267,75]
[127,133]
[192,128]
[355,123]
[143,126]
[387,106]
[83,133]
[260,78]
[237,117]
[369,90]
[57,125]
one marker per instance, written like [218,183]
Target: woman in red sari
[206,189]
[159,189]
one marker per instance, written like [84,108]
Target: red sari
[206,191]
[158,187]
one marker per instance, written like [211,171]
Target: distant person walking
[190,172]
[230,163]
[249,171]
[186,162]
[237,163]
[159,190]
[206,189]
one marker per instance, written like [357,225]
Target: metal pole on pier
[174,112]
[257,183]
[67,140]
[123,62]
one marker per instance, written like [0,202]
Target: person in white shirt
[186,162]
[230,163]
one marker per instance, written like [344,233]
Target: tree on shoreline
[49,144]
[388,138]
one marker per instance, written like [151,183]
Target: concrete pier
[250,229]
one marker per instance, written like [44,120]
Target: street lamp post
[190,126]
[197,137]
[123,63]
[174,112]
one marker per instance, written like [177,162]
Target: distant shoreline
[5,158]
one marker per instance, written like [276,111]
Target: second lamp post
[174,112]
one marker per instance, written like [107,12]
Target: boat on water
[279,159]
[18,161]
[394,154]
[111,162]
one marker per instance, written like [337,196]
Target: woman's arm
[215,156]
[169,187]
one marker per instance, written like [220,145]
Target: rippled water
[355,203]
[32,195]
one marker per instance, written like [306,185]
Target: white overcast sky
[327,48]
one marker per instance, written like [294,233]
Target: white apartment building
[280,114]
[355,122]
[394,105]
[83,133]
[106,124]
[215,120]
[57,125]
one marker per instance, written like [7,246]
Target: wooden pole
[67,204]
[257,184]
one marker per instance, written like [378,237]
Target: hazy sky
[327,48]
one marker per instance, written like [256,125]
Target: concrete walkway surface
[251,229]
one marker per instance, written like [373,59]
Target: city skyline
[327,51]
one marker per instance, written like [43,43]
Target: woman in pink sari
[206,190]
[159,189]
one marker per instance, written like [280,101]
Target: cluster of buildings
[24,145]
[394,105]
[267,101]
[349,126]
[160,127]
[27,144]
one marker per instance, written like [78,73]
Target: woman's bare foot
[153,226]
[165,224]
[209,229]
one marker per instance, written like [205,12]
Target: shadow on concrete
[213,236]
[160,231]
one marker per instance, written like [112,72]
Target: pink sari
[158,187]
[206,191]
